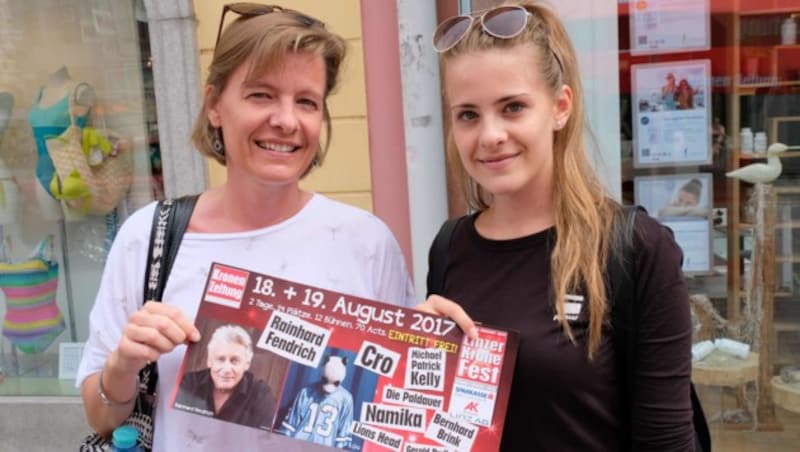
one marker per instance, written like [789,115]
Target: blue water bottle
[125,439]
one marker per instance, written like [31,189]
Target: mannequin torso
[50,116]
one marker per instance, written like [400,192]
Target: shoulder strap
[437,256]
[621,271]
[622,290]
[170,221]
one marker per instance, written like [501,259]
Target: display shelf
[795,259]
[781,225]
[786,395]
[720,369]
[768,12]
[753,155]
[745,88]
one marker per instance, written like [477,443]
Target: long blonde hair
[264,41]
[584,215]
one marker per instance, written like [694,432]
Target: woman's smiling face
[503,117]
[271,124]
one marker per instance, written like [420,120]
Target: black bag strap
[170,221]
[621,270]
[622,290]
[437,256]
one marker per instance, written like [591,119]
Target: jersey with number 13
[320,417]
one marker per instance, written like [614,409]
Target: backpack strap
[437,256]
[622,289]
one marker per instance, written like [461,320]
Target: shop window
[708,90]
[78,153]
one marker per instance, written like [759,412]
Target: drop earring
[218,145]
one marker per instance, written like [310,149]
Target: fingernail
[195,336]
[473,333]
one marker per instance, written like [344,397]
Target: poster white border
[688,130]
[648,23]
[655,192]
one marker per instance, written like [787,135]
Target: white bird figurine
[764,173]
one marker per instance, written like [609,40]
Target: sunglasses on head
[503,22]
[248,10]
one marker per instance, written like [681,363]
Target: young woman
[264,107]
[533,255]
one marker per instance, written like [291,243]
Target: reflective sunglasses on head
[503,22]
[248,10]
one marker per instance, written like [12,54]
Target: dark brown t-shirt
[560,400]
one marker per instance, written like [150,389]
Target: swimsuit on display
[49,122]
[33,320]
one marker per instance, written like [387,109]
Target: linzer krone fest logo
[226,286]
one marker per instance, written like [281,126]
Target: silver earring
[216,142]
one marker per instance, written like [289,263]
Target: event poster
[684,203]
[342,371]
[671,114]
[667,26]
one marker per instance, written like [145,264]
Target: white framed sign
[69,358]
[675,195]
[684,203]
[669,26]
[693,235]
[671,113]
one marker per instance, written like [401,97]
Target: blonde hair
[584,215]
[264,41]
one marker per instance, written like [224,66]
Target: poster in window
[669,26]
[684,203]
[671,113]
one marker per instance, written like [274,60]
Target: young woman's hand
[439,305]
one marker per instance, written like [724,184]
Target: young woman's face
[271,125]
[227,361]
[503,117]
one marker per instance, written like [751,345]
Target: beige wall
[345,174]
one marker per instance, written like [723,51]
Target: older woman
[264,106]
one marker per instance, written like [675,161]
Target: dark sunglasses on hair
[503,22]
[256,9]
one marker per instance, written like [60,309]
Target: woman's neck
[230,208]
[516,216]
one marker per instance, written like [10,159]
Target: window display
[75,160]
[748,323]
